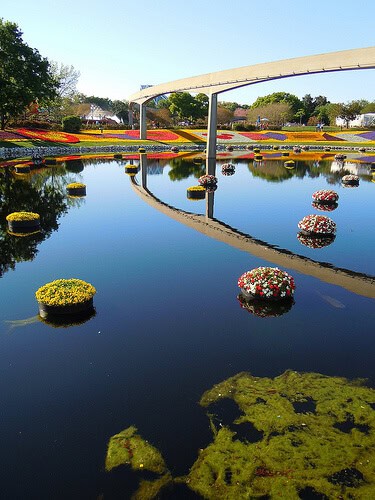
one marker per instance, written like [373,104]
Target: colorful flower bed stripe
[47,135]
[267,283]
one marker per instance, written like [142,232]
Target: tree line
[34,88]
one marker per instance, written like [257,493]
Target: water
[168,324]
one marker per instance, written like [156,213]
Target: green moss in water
[129,448]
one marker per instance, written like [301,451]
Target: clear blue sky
[117,45]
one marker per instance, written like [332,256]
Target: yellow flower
[64,292]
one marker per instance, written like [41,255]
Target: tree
[279,97]
[121,110]
[277,113]
[300,113]
[368,108]
[186,107]
[349,111]
[24,74]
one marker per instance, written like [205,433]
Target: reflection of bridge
[358,283]
[213,84]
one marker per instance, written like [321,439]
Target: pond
[203,395]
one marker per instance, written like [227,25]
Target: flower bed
[228,169]
[317,224]
[65,296]
[269,283]
[207,180]
[196,192]
[76,189]
[47,135]
[327,196]
[350,180]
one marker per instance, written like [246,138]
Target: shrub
[71,124]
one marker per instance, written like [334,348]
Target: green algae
[313,433]
[129,448]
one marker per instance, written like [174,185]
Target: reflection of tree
[44,196]
[182,169]
[295,436]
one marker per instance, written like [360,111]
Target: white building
[364,120]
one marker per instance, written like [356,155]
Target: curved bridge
[358,283]
[214,83]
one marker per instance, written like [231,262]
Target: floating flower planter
[297,149]
[327,148]
[131,169]
[22,169]
[67,320]
[208,181]
[229,148]
[228,169]
[50,161]
[340,157]
[350,180]
[175,149]
[37,160]
[315,241]
[65,297]
[266,308]
[285,153]
[198,161]
[319,225]
[76,189]
[117,156]
[289,164]
[23,222]
[275,148]
[256,150]
[266,283]
[325,196]
[258,157]
[141,150]
[250,147]
[196,193]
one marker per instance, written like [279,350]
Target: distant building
[364,120]
[97,115]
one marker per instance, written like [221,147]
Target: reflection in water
[265,308]
[315,241]
[296,435]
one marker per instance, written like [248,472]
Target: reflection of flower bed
[23,222]
[324,207]
[47,135]
[315,241]
[317,224]
[267,283]
[350,180]
[228,169]
[326,196]
[196,192]
[207,180]
[265,308]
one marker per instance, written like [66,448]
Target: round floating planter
[229,148]
[23,222]
[319,225]
[198,161]
[50,161]
[65,297]
[258,157]
[22,169]
[117,156]
[327,148]
[76,189]
[305,148]
[340,157]
[297,149]
[196,193]
[289,164]
[325,196]
[285,153]
[131,169]
[362,150]
[275,148]
[141,150]
[68,320]
[350,180]
[250,147]
[228,169]
[256,150]
[265,308]
[266,283]
[315,241]
[175,149]
[208,181]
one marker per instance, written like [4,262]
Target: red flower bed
[48,135]
[154,135]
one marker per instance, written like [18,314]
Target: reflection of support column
[130,115]
[211,166]
[142,121]
[143,164]
[210,205]
[212,126]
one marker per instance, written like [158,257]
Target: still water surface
[168,324]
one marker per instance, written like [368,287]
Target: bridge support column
[130,115]
[142,121]
[212,127]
